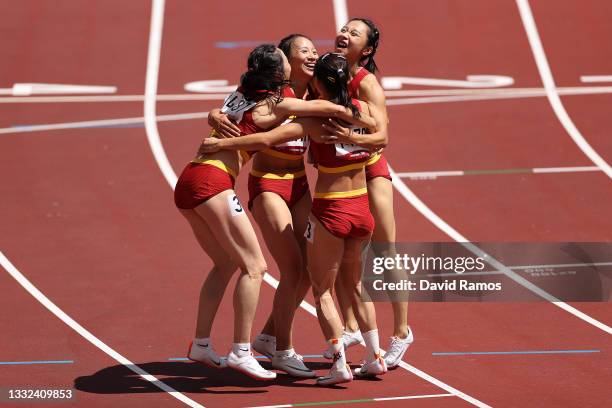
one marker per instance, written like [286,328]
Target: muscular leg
[235,234]
[275,221]
[218,278]
[324,257]
[380,194]
[300,213]
[351,262]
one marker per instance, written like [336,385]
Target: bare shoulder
[370,89]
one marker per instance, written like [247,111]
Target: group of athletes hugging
[293,102]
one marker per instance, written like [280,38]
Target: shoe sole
[253,376]
[335,383]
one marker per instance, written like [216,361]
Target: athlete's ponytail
[265,76]
[331,70]
[373,39]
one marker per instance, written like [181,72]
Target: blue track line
[37,362]
[487,353]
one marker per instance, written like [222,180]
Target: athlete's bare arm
[257,141]
[372,93]
[323,108]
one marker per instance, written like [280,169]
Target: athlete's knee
[256,269]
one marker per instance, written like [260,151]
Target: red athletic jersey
[353,85]
[293,147]
[340,154]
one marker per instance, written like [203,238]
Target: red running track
[90,220]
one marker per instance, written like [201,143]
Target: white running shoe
[250,366]
[397,349]
[204,353]
[372,369]
[349,339]
[264,345]
[336,376]
[292,365]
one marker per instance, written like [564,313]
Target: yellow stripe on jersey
[217,163]
[342,194]
[341,169]
[278,176]
[373,159]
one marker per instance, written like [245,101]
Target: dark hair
[265,76]
[286,43]
[332,71]
[373,38]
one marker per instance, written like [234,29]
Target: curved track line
[162,160]
[155,38]
[403,189]
[551,89]
[60,314]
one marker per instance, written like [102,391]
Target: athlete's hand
[337,132]
[222,125]
[209,145]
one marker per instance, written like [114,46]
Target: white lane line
[413,397]
[444,94]
[113,98]
[472,81]
[451,232]
[416,175]
[550,87]
[171,178]
[340,13]
[432,175]
[354,401]
[155,38]
[565,169]
[577,90]
[101,123]
[60,314]
[341,17]
[588,79]
[51,89]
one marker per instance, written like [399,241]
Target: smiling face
[352,40]
[302,58]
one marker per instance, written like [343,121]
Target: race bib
[234,205]
[309,233]
[352,151]
[297,146]
[235,105]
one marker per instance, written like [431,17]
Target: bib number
[309,233]
[349,150]
[235,105]
[234,205]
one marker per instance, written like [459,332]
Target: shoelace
[396,346]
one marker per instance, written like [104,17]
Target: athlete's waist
[357,165]
[341,194]
[279,174]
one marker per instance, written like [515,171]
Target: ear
[367,51]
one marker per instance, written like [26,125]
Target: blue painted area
[257,357]
[36,362]
[254,43]
[488,353]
